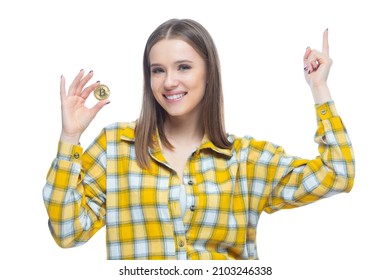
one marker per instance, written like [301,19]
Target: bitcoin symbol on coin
[102,92]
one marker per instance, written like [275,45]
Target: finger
[317,58]
[87,91]
[75,83]
[307,52]
[312,59]
[83,82]
[325,43]
[305,57]
[98,106]
[310,67]
[314,65]
[62,88]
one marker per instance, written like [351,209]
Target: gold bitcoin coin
[101,92]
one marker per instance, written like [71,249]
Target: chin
[175,114]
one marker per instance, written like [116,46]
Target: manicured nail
[91,71]
[97,82]
[309,72]
[108,103]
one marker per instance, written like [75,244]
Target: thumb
[98,106]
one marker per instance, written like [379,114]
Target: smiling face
[178,77]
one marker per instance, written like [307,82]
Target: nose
[171,80]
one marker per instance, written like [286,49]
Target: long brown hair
[152,115]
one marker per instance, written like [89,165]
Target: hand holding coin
[76,117]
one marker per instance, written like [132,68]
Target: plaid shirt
[226,189]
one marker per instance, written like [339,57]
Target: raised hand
[75,115]
[317,66]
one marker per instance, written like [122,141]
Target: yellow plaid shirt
[226,189]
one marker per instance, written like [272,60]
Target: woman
[174,185]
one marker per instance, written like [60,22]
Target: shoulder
[120,126]
[248,142]
[249,148]
[118,130]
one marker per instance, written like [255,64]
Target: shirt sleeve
[281,181]
[75,194]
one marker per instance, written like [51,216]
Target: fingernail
[97,82]
[305,68]
[307,47]
[107,103]
[81,70]
[309,72]
[91,71]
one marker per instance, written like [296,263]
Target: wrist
[71,139]
[321,94]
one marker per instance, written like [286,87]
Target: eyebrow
[176,62]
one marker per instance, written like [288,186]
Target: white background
[261,44]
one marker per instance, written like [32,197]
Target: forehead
[173,49]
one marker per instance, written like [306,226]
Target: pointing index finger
[325,43]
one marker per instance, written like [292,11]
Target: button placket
[191,183]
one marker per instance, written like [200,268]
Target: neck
[184,131]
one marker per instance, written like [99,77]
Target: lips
[175,96]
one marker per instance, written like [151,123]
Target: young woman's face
[178,77]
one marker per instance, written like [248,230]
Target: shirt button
[181,243]
[323,112]
[76,155]
[190,182]
[192,208]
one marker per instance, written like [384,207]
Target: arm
[75,193]
[290,182]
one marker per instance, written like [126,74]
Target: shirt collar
[128,134]
[207,144]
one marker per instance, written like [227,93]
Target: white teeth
[175,96]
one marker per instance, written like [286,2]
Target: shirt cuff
[326,111]
[69,152]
